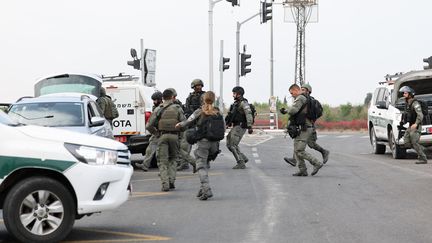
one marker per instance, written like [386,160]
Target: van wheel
[397,151]
[39,209]
[376,148]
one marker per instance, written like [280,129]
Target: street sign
[150,67]
[150,79]
[273,104]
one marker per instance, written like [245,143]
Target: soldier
[240,118]
[184,158]
[205,147]
[162,123]
[153,141]
[307,90]
[414,116]
[193,102]
[108,108]
[300,123]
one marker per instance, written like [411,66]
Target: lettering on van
[122,123]
[124,105]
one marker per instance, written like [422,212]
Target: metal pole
[211,5]
[238,54]
[142,62]
[221,77]
[271,55]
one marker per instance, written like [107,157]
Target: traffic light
[266,10]
[429,62]
[225,66]
[136,64]
[244,64]
[234,2]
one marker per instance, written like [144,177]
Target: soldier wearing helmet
[414,116]
[312,143]
[153,141]
[240,118]
[194,100]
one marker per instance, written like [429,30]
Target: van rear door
[127,105]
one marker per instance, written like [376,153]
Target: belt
[170,132]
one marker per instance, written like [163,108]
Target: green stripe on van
[11,163]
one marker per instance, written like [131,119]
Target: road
[356,197]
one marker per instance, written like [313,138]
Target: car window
[386,96]
[94,109]
[381,95]
[376,95]
[51,114]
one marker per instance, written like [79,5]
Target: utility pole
[223,65]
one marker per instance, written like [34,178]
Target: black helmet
[407,89]
[156,95]
[238,90]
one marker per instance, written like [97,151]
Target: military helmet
[238,90]
[174,91]
[196,82]
[308,87]
[407,89]
[102,91]
[156,95]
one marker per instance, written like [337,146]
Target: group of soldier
[168,142]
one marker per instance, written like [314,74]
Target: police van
[50,177]
[132,98]
[387,106]
[133,101]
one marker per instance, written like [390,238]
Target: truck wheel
[376,148]
[397,151]
[39,209]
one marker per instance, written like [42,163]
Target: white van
[134,103]
[50,177]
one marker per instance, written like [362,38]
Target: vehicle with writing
[134,104]
[386,109]
[50,177]
[71,111]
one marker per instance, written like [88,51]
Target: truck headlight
[92,155]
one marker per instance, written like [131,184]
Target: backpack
[315,109]
[212,127]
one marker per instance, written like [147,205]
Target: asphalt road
[355,197]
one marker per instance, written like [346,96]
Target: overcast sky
[350,49]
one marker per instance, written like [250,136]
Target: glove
[250,130]
[283,110]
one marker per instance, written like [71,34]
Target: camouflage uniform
[204,149]
[104,104]
[303,139]
[242,119]
[412,136]
[168,144]
[185,158]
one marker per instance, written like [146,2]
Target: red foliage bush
[342,125]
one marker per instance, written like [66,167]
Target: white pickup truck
[50,177]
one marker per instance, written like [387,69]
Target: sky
[349,50]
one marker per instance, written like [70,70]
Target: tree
[368,99]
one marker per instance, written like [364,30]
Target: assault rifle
[401,130]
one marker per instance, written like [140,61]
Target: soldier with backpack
[413,114]
[211,129]
[163,122]
[241,119]
[316,109]
[109,109]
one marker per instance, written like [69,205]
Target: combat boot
[316,169]
[200,192]
[206,194]
[325,156]
[142,167]
[301,173]
[240,165]
[165,188]
[171,185]
[290,161]
[421,161]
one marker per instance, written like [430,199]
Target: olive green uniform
[168,144]
[304,138]
[204,149]
[240,125]
[412,136]
[184,158]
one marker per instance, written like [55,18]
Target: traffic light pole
[239,24]
[221,70]
[212,3]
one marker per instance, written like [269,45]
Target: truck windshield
[51,114]
[5,119]
[68,83]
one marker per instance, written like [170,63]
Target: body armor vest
[168,120]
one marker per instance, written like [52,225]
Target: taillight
[121,139]
[147,116]
[429,130]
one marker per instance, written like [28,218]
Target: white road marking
[321,136]
[365,137]
[255,155]
[258,161]
[254,149]
[344,136]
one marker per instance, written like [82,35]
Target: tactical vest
[411,114]
[239,116]
[194,101]
[168,119]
